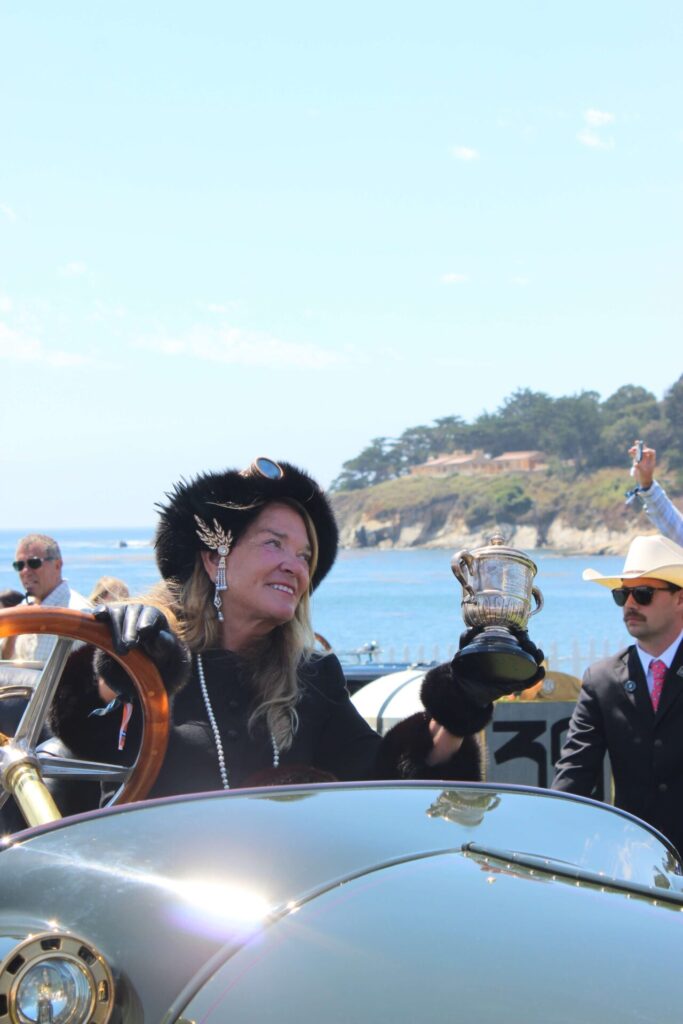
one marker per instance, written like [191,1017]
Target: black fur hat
[234,498]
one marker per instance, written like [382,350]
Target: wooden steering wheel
[23,765]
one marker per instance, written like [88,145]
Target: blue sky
[285,229]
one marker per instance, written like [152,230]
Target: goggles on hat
[263,466]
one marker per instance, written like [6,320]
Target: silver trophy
[497,583]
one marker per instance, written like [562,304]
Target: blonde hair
[109,588]
[274,662]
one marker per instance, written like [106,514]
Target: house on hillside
[479,462]
[456,462]
[516,462]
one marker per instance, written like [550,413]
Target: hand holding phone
[637,451]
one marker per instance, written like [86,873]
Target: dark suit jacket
[614,714]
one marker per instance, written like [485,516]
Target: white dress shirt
[38,647]
[666,656]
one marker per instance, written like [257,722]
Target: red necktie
[658,672]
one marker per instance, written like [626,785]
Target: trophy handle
[538,597]
[458,560]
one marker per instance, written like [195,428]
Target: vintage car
[523,741]
[388,902]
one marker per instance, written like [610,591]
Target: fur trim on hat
[234,498]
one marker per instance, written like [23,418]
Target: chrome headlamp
[55,979]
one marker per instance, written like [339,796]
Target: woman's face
[268,571]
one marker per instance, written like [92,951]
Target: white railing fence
[573,658]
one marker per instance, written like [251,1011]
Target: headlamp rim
[42,947]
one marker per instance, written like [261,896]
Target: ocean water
[407,602]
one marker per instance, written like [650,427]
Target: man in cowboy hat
[631,705]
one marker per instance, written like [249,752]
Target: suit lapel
[634,684]
[673,685]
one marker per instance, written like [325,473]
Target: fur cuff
[403,751]
[445,701]
[174,670]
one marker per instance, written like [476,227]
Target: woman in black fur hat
[253,702]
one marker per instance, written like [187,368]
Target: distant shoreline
[136,540]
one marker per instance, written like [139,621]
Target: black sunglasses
[641,595]
[32,563]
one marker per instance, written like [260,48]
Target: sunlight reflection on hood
[222,909]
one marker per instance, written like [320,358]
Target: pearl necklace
[222,768]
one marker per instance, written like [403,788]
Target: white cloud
[103,312]
[455,278]
[244,348]
[74,269]
[5,304]
[521,281]
[466,362]
[598,118]
[58,358]
[464,153]
[594,141]
[8,212]
[220,307]
[590,135]
[16,347]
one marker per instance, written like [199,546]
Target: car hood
[456,937]
[173,884]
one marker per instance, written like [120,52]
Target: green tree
[626,400]
[575,430]
[629,413]
[578,428]
[673,412]
[375,463]
[524,420]
[414,447]
[449,434]
[485,434]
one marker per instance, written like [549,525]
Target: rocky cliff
[586,517]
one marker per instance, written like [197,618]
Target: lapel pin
[679,672]
[630,686]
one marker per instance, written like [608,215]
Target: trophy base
[496,655]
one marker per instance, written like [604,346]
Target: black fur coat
[332,741]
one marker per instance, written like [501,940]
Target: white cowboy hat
[653,556]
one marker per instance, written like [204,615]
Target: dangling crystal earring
[220,541]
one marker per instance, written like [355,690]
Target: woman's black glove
[463,704]
[145,628]
[483,691]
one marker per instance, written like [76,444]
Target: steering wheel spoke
[33,719]
[53,767]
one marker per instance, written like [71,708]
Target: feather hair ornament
[220,541]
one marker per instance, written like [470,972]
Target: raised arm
[659,508]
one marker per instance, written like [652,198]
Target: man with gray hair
[38,562]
